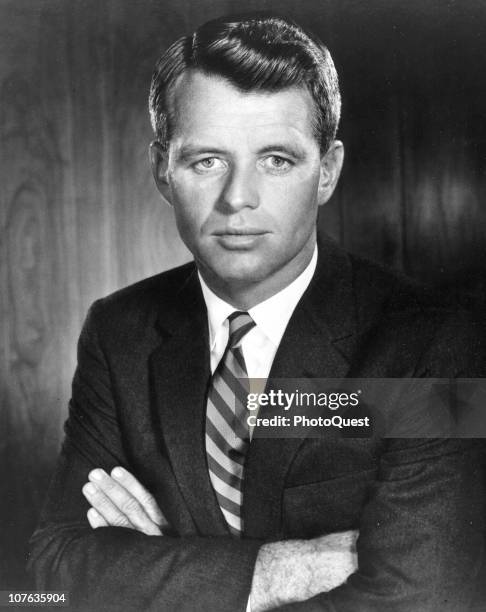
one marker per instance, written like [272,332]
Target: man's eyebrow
[288,149]
[188,151]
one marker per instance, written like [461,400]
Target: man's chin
[240,277]
[234,272]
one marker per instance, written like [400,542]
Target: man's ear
[159,160]
[331,164]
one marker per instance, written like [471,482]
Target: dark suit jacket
[139,401]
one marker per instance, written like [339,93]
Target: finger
[104,506]
[95,519]
[125,502]
[145,499]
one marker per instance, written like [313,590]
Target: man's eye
[208,163]
[277,163]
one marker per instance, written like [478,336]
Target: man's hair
[254,53]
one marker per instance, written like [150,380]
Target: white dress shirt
[260,344]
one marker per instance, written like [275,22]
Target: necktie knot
[240,324]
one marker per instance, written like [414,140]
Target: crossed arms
[284,572]
[419,548]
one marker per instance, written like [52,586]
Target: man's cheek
[187,226]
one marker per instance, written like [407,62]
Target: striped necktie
[227,432]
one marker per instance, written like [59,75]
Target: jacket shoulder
[151,287]
[419,321]
[138,305]
[399,295]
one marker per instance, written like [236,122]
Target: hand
[295,570]
[119,500]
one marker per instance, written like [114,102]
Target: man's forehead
[254,130]
[205,103]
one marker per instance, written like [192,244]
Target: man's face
[243,172]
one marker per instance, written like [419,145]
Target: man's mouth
[245,231]
[235,239]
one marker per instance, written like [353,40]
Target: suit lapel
[318,343]
[180,370]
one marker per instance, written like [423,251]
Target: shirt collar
[270,316]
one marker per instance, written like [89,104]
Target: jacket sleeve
[115,568]
[422,531]
[421,541]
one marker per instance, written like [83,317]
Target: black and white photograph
[243,305]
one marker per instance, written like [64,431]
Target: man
[182,511]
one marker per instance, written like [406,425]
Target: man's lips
[239,239]
[247,231]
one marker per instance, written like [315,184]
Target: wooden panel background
[79,216]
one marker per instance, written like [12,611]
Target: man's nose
[241,189]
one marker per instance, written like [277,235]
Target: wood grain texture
[80,216]
[31,195]
[443,144]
